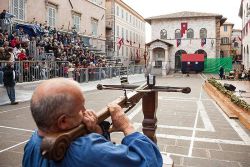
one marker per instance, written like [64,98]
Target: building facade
[244,13]
[236,45]
[125,32]
[226,39]
[183,32]
[64,15]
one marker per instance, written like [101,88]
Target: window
[98,2]
[122,32]
[52,16]
[117,10]
[94,25]
[190,33]
[236,44]
[18,9]
[134,37]
[126,16]
[177,34]
[163,34]
[117,31]
[126,51]
[225,28]
[203,33]
[122,14]
[158,64]
[130,19]
[126,34]
[225,40]
[76,22]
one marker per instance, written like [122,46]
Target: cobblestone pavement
[192,129]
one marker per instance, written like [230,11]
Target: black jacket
[8,77]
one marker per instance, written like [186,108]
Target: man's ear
[62,122]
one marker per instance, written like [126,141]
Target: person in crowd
[221,72]
[22,56]
[9,82]
[2,54]
[58,105]
[10,55]
[2,15]
[2,40]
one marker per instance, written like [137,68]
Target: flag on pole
[137,54]
[120,43]
[203,42]
[183,28]
[178,42]
[239,38]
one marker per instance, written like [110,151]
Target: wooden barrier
[230,109]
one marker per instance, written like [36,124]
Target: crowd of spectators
[19,46]
[67,49]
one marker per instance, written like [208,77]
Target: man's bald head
[53,98]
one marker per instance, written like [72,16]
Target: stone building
[226,39]
[244,13]
[182,32]
[236,45]
[86,17]
[125,32]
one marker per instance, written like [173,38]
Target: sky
[148,8]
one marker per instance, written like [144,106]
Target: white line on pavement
[195,124]
[243,135]
[167,160]
[207,123]
[7,127]
[174,127]
[182,99]
[14,109]
[168,153]
[193,134]
[203,76]
[6,149]
[208,140]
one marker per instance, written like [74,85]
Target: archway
[159,57]
[200,51]
[178,58]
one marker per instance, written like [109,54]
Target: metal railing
[29,71]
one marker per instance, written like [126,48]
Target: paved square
[192,129]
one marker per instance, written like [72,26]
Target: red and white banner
[183,28]
[120,43]
[203,42]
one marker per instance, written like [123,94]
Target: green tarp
[212,65]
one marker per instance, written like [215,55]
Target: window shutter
[21,9]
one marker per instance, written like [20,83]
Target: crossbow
[54,146]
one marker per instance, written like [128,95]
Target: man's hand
[120,120]
[90,120]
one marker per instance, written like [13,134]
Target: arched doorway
[159,57]
[200,51]
[178,58]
